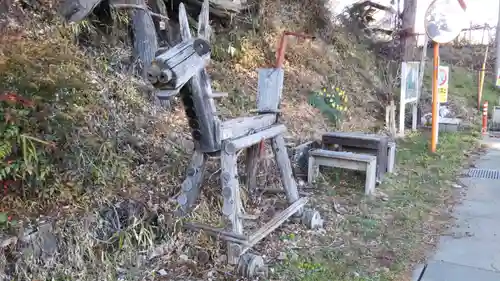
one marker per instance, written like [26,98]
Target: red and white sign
[498,78]
[443,79]
[443,76]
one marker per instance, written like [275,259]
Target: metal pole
[435,99]
[420,81]
[484,129]
[482,72]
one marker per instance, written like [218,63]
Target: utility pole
[409,44]
[409,19]
[497,61]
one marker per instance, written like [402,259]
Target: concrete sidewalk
[472,252]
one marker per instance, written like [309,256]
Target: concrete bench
[359,142]
[391,156]
[345,160]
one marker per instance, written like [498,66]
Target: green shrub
[331,102]
[45,96]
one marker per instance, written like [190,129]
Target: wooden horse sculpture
[181,70]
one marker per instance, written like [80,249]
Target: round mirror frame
[435,29]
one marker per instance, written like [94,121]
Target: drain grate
[484,174]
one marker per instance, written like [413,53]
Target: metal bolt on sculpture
[181,70]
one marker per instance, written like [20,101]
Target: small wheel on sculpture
[252,266]
[312,219]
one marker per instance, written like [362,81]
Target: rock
[6,241]
[183,257]
[162,272]
[426,119]
[222,258]
[444,111]
[42,243]
[282,256]
[339,209]
[381,195]
[187,144]
[294,256]
[161,250]
[203,257]
[231,51]
[134,142]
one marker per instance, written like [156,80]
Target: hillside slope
[90,165]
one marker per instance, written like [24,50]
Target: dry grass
[382,238]
[120,159]
[113,170]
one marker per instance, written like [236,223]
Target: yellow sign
[443,94]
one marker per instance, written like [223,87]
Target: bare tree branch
[134,6]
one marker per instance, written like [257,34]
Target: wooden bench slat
[358,135]
[343,155]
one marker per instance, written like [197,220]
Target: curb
[418,272]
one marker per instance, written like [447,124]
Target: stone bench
[359,142]
[391,156]
[345,160]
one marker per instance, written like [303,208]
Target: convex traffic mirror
[444,20]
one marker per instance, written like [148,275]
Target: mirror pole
[435,99]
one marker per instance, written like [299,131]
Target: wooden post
[390,118]
[482,72]
[198,94]
[402,99]
[190,188]
[435,100]
[161,25]
[232,206]
[252,167]
[145,40]
[285,168]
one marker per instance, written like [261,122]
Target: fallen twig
[134,6]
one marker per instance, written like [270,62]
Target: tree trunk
[410,42]
[161,25]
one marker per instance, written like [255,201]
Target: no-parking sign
[443,79]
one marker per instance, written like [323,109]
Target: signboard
[443,78]
[409,92]
[409,81]
[497,83]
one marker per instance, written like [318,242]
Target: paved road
[473,251]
